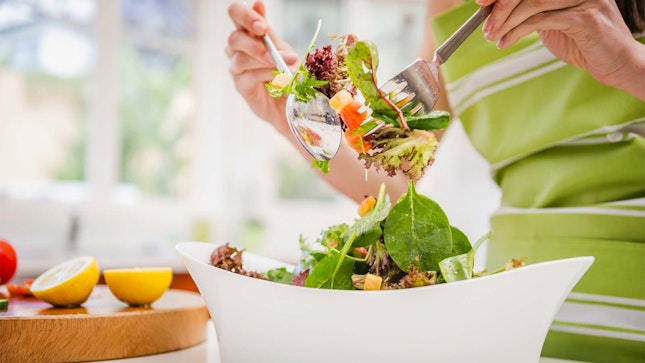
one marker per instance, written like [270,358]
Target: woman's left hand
[590,34]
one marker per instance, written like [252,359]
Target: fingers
[241,41]
[538,22]
[568,21]
[519,16]
[248,18]
[500,13]
[249,52]
[505,21]
[245,48]
[242,62]
[247,82]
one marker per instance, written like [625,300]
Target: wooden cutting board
[102,328]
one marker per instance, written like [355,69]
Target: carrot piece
[356,141]
[351,115]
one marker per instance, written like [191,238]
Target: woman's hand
[251,64]
[590,34]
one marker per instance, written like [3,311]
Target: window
[43,92]
[97,111]
[157,102]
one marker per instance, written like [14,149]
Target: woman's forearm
[348,175]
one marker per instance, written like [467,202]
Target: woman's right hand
[590,34]
[251,65]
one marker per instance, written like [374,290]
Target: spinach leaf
[281,275]
[367,229]
[332,272]
[417,232]
[460,267]
[434,120]
[460,242]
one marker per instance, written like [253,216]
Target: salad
[409,244]
[389,132]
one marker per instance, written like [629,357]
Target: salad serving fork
[419,82]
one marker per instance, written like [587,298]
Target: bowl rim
[180,247]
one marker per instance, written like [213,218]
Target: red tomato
[8,261]
[350,115]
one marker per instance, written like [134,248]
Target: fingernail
[488,25]
[501,44]
[481,2]
[258,27]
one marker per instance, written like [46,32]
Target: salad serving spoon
[314,123]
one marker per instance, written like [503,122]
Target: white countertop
[208,352]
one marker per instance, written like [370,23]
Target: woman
[552,96]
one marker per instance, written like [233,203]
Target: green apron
[569,157]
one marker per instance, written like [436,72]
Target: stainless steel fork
[419,82]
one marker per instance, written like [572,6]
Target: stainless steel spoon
[314,124]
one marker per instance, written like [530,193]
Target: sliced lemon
[138,286]
[69,283]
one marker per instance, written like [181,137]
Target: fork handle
[451,44]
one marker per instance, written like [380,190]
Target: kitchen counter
[207,352]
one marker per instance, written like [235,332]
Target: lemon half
[69,283]
[138,286]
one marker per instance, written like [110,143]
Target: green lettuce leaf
[460,267]
[417,232]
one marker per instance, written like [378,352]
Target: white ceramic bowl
[502,318]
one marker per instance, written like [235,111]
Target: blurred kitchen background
[121,133]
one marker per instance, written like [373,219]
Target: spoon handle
[277,59]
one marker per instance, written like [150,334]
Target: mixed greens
[409,244]
[388,135]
